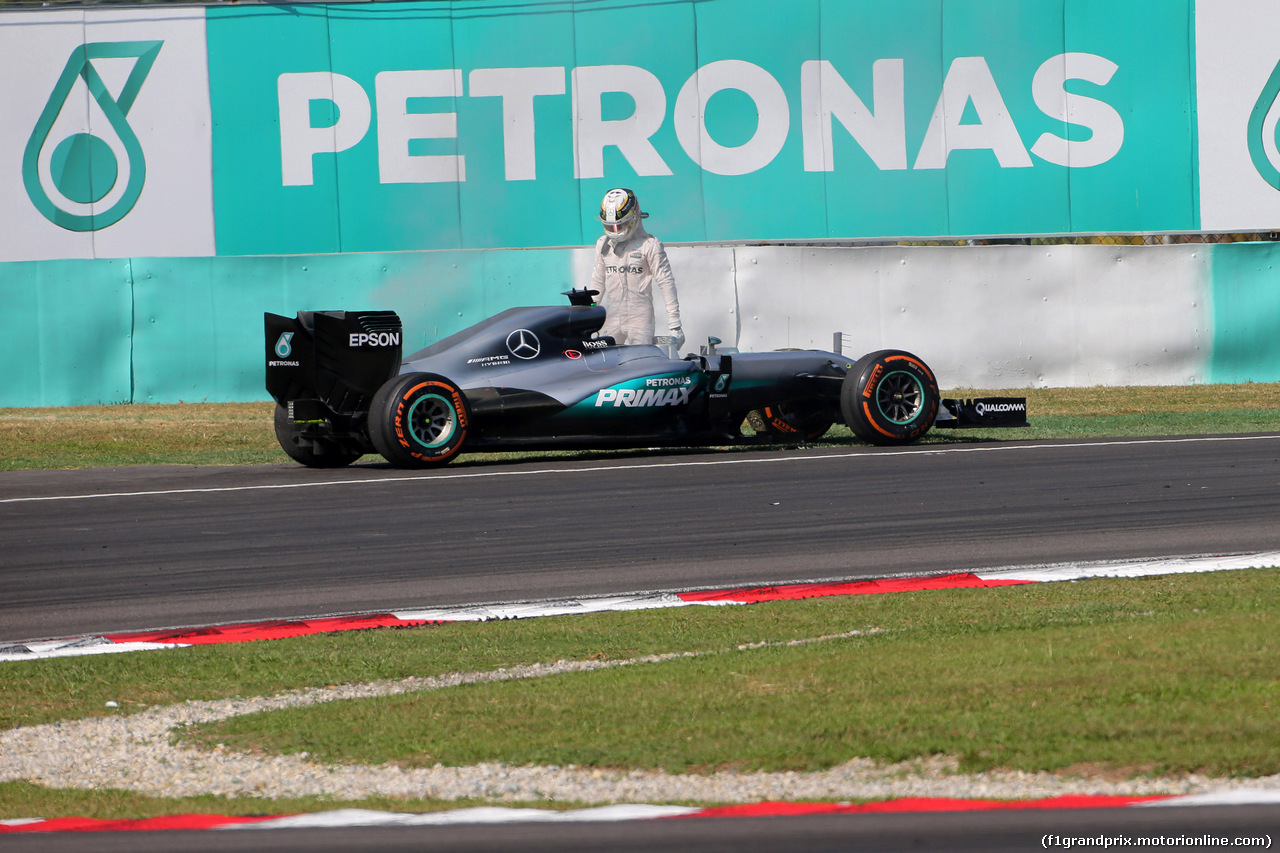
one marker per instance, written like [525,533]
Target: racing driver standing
[629,263]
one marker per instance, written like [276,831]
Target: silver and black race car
[541,377]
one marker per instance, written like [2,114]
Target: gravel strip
[134,753]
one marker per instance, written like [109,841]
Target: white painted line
[1135,568]
[1238,797]
[434,477]
[532,609]
[77,647]
[481,814]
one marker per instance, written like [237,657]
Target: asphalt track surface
[122,549]
[137,548]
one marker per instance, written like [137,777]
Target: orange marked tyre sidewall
[419,420]
[890,397]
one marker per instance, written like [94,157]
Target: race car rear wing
[340,358]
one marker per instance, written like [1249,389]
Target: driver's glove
[677,336]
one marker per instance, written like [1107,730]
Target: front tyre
[890,397]
[419,420]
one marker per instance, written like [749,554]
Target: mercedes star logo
[523,344]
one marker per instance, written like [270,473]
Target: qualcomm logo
[998,408]
[76,183]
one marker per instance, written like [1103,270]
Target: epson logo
[373,339]
[998,408]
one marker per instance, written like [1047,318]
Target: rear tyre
[312,452]
[419,420]
[801,420]
[890,397]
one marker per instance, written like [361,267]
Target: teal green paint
[249,47]
[780,200]
[84,168]
[69,340]
[639,397]
[1257,138]
[859,198]
[168,330]
[1151,184]
[90,160]
[550,210]
[1014,38]
[659,39]
[358,204]
[1246,313]
[396,216]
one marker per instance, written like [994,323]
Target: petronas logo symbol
[1262,131]
[76,182]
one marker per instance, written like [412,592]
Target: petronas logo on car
[78,182]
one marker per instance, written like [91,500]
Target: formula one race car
[539,377]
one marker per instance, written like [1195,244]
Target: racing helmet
[620,214]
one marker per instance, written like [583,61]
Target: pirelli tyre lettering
[890,397]
[418,420]
[796,421]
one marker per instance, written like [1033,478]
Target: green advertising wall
[1245,313]
[440,158]
[469,124]
[68,333]
[167,330]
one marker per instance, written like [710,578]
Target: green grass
[1173,674]
[1161,675]
[1168,674]
[242,433]
[100,436]
[24,800]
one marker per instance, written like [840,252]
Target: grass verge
[24,800]
[1163,675]
[242,433]
[1173,675]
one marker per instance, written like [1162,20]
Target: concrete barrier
[161,330]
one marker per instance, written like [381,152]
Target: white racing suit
[625,275]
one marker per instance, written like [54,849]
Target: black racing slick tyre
[890,397]
[802,420]
[312,452]
[419,420]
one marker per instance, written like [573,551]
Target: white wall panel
[989,317]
